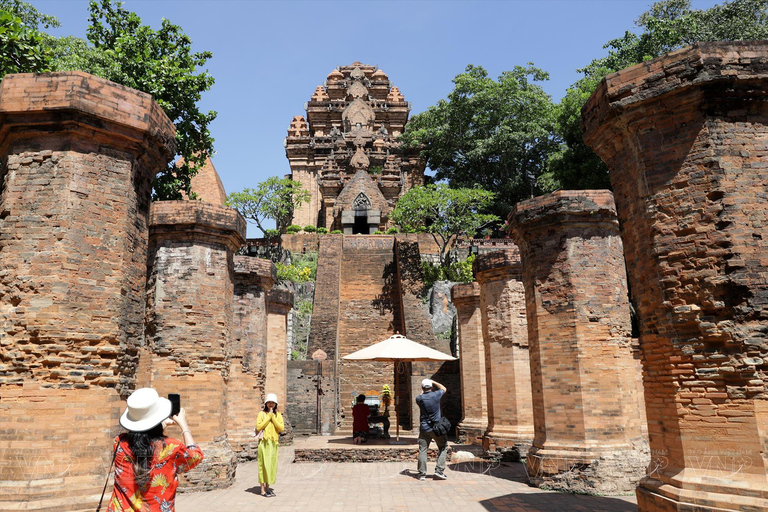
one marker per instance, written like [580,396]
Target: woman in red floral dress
[147,463]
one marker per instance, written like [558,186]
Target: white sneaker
[422,477]
[440,476]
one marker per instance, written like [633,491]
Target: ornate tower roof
[352,124]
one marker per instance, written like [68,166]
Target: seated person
[360,414]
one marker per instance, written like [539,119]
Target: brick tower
[684,136]
[345,151]
[78,157]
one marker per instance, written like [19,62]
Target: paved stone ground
[393,486]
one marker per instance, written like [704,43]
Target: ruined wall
[474,397]
[685,136]
[505,338]
[254,278]
[311,386]
[587,424]
[72,279]
[190,292]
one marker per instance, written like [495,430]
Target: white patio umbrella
[397,348]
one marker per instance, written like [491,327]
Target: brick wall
[684,136]
[366,316]
[189,322]
[587,426]
[279,303]
[505,338]
[474,397]
[72,280]
[248,353]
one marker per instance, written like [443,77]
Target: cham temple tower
[346,154]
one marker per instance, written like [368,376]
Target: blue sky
[268,56]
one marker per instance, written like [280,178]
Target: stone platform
[342,449]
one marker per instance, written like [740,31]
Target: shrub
[272,233]
[336,232]
[378,232]
[322,231]
[310,228]
[293,228]
[392,231]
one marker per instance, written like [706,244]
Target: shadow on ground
[512,471]
[548,501]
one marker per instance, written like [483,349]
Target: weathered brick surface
[189,321]
[78,157]
[587,426]
[685,138]
[505,339]
[254,278]
[474,398]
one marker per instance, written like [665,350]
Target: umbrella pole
[397,399]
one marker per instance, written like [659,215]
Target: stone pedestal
[189,322]
[685,136]
[474,399]
[78,157]
[588,435]
[505,338]
[254,278]
[279,304]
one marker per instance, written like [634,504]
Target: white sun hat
[271,398]
[145,410]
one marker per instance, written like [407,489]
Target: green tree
[161,63]
[488,133]
[275,199]
[668,25]
[21,45]
[444,212]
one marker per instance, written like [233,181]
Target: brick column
[505,338]
[190,294]
[78,157]
[685,137]
[254,278]
[588,436]
[279,303]
[474,399]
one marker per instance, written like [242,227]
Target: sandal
[270,494]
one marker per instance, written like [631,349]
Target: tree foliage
[444,212]
[668,25]
[21,44]
[488,133]
[161,63]
[121,49]
[275,199]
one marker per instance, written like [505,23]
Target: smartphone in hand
[175,400]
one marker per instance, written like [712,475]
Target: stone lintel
[465,293]
[248,267]
[75,101]
[194,220]
[561,208]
